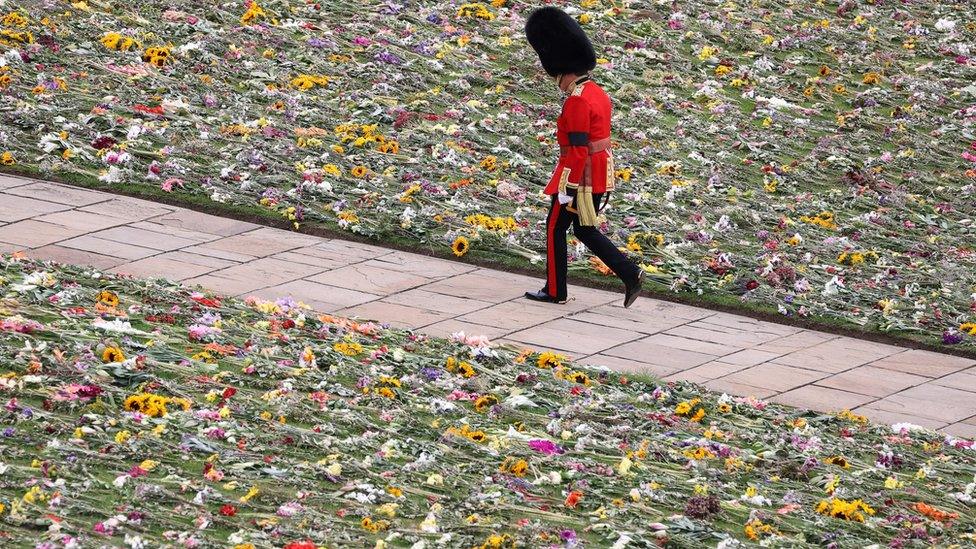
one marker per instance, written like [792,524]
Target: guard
[584,177]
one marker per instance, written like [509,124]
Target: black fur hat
[560,42]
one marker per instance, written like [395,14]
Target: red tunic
[584,122]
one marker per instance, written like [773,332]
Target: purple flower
[431,373]
[388,58]
[951,338]
[316,42]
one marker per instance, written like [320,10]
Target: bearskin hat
[559,40]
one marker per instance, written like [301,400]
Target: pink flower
[168,184]
[546,447]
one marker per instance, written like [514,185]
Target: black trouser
[560,218]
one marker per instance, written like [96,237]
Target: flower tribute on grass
[240,423]
[756,143]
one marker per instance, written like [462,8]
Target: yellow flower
[485,402]
[550,360]
[112,355]
[157,56]
[250,494]
[871,78]
[108,298]
[13,19]
[460,246]
[253,13]
[706,53]
[348,349]
[308,81]
[7,157]
[122,436]
[359,172]
[475,10]
[847,510]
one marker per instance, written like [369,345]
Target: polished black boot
[633,290]
[543,297]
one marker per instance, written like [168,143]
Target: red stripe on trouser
[551,250]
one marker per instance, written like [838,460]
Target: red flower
[301,545]
[752,285]
[288,324]
[573,498]
[206,301]
[229,392]
[228,510]
[148,110]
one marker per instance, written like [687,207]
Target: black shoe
[633,290]
[544,297]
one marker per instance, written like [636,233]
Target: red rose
[752,285]
[229,392]
[228,510]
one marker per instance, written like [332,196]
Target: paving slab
[738,389]
[573,335]
[72,256]
[454,306]
[706,372]
[322,298]
[660,355]
[777,377]
[162,267]
[630,366]
[931,401]
[452,326]
[81,220]
[132,235]
[204,223]
[888,417]
[726,352]
[394,314]
[31,233]
[59,194]
[822,398]
[10,181]
[368,276]
[873,381]
[127,209]
[101,246]
[628,319]
[260,273]
[17,208]
[924,363]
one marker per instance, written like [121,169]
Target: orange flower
[573,498]
[933,513]
[600,266]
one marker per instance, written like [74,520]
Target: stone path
[722,351]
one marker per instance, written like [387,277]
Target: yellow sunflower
[106,297]
[112,354]
[460,246]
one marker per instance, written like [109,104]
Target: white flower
[945,25]
[516,401]
[906,428]
[112,175]
[116,325]
[621,542]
